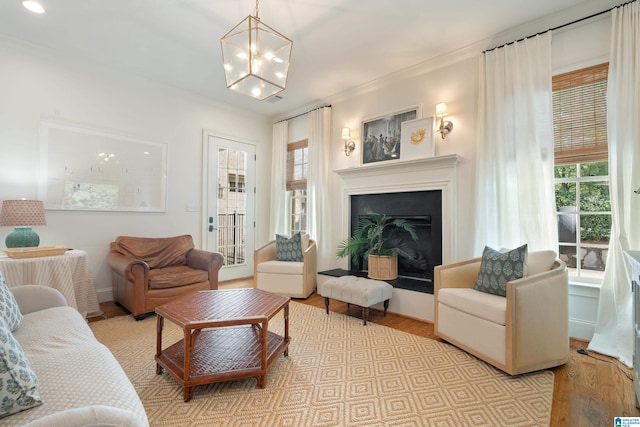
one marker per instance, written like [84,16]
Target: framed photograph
[381,136]
[417,139]
[92,170]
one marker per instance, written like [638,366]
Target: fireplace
[423,209]
[436,176]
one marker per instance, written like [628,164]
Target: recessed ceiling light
[33,6]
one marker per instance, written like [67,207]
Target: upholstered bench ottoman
[358,291]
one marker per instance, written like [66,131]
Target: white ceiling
[337,44]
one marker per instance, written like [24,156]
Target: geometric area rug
[338,373]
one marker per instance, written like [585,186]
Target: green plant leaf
[372,236]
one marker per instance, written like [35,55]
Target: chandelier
[256,58]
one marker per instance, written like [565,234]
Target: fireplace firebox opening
[423,209]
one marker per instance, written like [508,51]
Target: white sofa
[295,279]
[80,382]
[525,331]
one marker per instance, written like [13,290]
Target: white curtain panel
[319,177]
[279,214]
[614,326]
[515,198]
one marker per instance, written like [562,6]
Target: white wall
[299,128]
[454,84]
[36,85]
[581,45]
[453,79]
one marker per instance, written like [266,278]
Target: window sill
[576,282]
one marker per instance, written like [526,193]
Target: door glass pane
[232,205]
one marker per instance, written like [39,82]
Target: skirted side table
[68,273]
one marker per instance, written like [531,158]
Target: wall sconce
[349,146]
[445,126]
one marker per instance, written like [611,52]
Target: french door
[230,204]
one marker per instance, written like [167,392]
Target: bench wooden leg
[365,315]
[326,304]
[386,305]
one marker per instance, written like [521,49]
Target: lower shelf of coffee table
[223,354]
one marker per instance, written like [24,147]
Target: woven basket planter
[383,267]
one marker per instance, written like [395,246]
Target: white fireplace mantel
[433,173]
[392,167]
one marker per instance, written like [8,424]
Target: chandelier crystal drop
[256,58]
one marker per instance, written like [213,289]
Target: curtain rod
[302,114]
[561,26]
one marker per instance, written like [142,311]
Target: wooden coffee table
[226,337]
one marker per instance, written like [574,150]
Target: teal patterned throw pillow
[497,268]
[18,382]
[289,248]
[9,310]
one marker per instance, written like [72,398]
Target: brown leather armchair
[147,272]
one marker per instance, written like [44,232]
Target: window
[297,163]
[236,183]
[298,203]
[581,170]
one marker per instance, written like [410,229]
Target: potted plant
[374,239]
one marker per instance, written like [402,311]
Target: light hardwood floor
[590,390]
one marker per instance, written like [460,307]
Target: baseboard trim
[104,294]
[581,329]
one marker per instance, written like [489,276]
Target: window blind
[580,115]
[297,161]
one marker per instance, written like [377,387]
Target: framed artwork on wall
[417,139]
[381,135]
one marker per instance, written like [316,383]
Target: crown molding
[413,71]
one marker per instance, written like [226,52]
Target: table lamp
[22,214]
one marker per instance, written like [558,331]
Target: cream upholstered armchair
[295,279]
[525,331]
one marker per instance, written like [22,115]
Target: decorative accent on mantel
[377,169]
